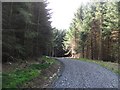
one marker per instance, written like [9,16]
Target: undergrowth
[18,77]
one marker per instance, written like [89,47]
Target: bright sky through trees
[63,11]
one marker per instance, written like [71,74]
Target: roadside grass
[0,80]
[15,79]
[109,65]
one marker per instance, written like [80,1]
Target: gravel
[80,74]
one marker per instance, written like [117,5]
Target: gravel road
[80,74]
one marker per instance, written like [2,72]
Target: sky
[63,12]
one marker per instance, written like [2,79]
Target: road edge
[59,73]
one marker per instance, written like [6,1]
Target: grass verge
[0,80]
[109,65]
[18,77]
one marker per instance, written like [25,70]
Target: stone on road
[80,74]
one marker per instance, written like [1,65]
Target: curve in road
[80,74]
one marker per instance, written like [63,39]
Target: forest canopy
[26,30]
[94,32]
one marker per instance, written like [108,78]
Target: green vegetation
[28,36]
[109,65]
[13,79]
[94,32]
[48,60]
[19,77]
[0,79]
[57,44]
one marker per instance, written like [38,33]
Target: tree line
[94,32]
[26,30]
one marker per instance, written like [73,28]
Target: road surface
[80,74]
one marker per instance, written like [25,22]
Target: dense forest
[31,46]
[27,32]
[94,32]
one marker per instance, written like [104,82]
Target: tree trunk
[83,51]
[100,38]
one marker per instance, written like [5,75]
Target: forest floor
[30,73]
[81,74]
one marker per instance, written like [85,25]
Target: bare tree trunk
[91,47]
[83,51]
[118,59]
[13,33]
[53,52]
[100,40]
[37,50]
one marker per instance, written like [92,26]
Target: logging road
[80,74]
